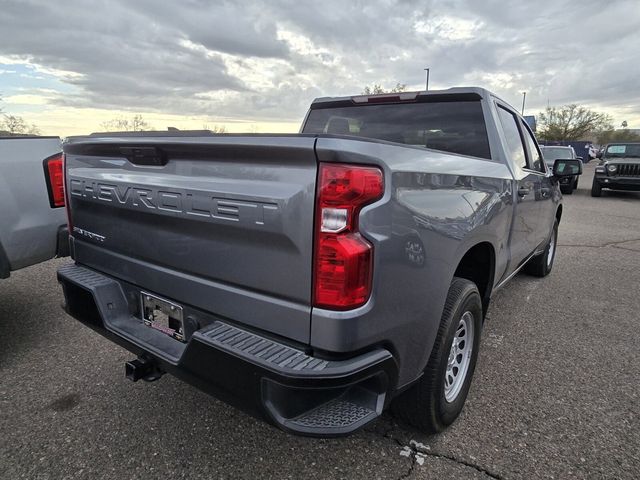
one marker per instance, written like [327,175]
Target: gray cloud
[268,60]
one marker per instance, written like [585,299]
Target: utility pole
[427,70]
[524,97]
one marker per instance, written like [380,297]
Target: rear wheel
[436,400]
[541,265]
[596,189]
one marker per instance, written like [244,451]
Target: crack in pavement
[408,473]
[387,434]
[418,449]
[604,245]
[627,249]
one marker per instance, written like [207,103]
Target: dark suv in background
[619,168]
[553,153]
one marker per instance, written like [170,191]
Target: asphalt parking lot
[555,394]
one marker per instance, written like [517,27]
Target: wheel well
[478,265]
[559,214]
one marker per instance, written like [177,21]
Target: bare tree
[571,122]
[123,124]
[377,89]
[15,125]
[215,129]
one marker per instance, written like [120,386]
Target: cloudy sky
[255,66]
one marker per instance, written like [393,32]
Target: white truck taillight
[343,259]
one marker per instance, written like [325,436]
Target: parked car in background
[33,221]
[619,169]
[551,154]
[314,279]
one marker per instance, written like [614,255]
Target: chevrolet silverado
[314,279]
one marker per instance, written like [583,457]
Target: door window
[513,138]
[535,158]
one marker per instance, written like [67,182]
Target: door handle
[523,191]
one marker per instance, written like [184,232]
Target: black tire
[596,189]
[424,406]
[541,265]
[575,184]
[566,189]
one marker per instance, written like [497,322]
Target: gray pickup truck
[314,279]
[33,222]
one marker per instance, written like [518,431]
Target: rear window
[551,154]
[456,127]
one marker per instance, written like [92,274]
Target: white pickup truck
[33,222]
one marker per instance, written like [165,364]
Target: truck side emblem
[88,234]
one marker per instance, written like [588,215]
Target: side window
[535,159]
[512,135]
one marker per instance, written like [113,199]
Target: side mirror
[567,167]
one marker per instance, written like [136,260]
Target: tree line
[137,123]
[564,123]
[574,122]
[14,125]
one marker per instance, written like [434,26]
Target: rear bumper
[618,183]
[266,377]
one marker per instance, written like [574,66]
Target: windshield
[551,154]
[456,127]
[623,150]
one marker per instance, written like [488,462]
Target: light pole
[524,97]
[427,70]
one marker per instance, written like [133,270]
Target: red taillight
[55,179]
[343,258]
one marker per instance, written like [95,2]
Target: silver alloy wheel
[552,248]
[459,357]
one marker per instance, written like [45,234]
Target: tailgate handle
[144,155]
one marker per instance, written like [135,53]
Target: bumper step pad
[335,414]
[224,335]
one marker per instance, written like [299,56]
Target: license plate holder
[163,315]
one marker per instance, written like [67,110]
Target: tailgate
[224,224]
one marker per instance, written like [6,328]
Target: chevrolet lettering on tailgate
[193,204]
